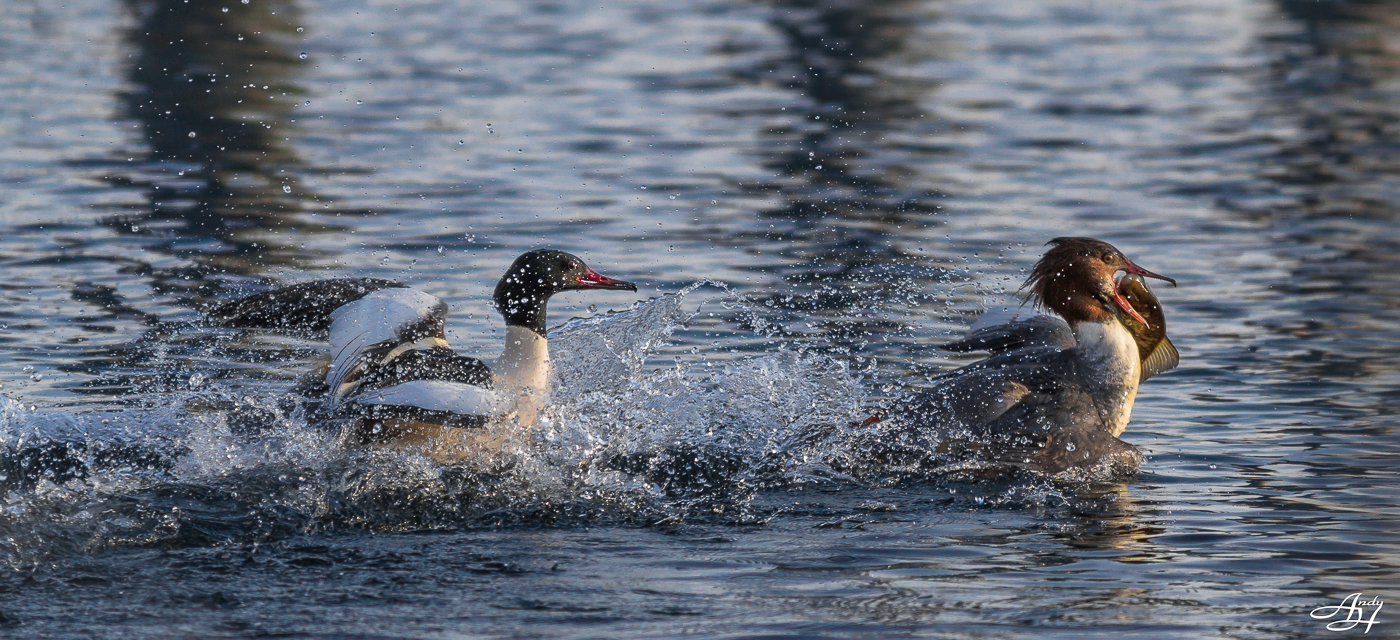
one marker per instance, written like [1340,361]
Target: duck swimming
[392,376]
[1057,391]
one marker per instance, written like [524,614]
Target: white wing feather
[439,395]
[384,315]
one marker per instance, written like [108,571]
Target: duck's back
[388,349]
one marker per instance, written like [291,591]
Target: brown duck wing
[1035,331]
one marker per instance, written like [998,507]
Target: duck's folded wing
[439,396]
[377,328]
[1014,333]
[981,392]
[1051,432]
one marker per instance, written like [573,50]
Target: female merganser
[1056,394]
[392,373]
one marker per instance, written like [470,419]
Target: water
[859,179]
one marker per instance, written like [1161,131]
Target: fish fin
[1163,358]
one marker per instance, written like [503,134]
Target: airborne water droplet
[303,55]
[286,188]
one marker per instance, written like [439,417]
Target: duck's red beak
[1132,268]
[595,280]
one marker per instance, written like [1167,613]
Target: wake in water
[624,440]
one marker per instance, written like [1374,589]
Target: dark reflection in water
[214,90]
[1336,79]
[835,49]
[213,87]
[845,198]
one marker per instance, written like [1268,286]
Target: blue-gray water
[856,180]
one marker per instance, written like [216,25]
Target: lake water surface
[812,195]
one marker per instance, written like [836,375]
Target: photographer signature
[1355,609]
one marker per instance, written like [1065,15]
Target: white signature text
[1355,609]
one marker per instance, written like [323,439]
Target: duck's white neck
[1108,359]
[522,372]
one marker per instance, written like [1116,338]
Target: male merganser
[1056,394]
[392,373]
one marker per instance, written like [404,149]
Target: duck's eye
[1108,257]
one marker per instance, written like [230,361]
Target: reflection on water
[844,201]
[214,90]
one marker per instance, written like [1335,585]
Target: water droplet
[37,377]
[299,29]
[196,381]
[245,1]
[359,102]
[191,134]
[673,197]
[593,308]
[302,56]
[225,9]
[1212,466]
[1069,447]
[286,188]
[27,369]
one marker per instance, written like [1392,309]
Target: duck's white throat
[522,373]
[1108,359]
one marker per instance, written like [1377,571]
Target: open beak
[1127,308]
[1119,285]
[595,280]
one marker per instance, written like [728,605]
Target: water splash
[625,439]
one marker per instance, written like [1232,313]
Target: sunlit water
[813,196]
